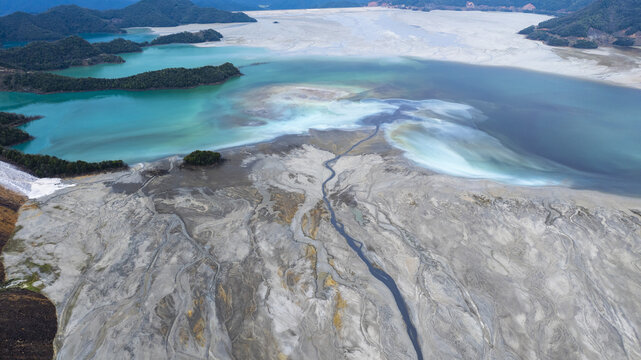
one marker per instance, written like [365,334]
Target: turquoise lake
[504,124]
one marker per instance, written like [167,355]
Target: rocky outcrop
[240,261]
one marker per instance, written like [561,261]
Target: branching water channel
[357,246]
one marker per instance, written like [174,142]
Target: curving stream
[357,246]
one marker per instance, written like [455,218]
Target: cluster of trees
[609,16]
[9,133]
[173,78]
[188,37]
[554,40]
[11,119]
[66,20]
[75,51]
[118,46]
[203,158]
[61,54]
[614,17]
[51,166]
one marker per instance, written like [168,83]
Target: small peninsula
[10,134]
[172,78]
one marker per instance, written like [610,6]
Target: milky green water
[508,125]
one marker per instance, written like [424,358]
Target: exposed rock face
[28,321]
[240,262]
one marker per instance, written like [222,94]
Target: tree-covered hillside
[170,13]
[61,54]
[76,51]
[62,21]
[603,22]
[37,6]
[188,37]
[609,16]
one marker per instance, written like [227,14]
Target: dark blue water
[357,246]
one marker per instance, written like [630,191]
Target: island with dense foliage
[203,158]
[187,37]
[172,78]
[604,22]
[66,20]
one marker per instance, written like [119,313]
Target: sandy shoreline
[482,38]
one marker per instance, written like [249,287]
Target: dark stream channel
[357,246]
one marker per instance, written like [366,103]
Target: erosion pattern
[27,318]
[241,261]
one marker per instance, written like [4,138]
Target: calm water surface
[482,122]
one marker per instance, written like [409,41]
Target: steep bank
[28,321]
[241,260]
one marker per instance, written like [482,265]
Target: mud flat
[241,261]
[473,37]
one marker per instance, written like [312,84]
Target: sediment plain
[239,261]
[472,37]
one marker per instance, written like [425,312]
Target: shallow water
[509,125]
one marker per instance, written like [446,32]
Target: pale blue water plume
[502,124]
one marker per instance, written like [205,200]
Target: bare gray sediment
[240,261]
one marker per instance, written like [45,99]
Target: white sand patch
[15,180]
[484,38]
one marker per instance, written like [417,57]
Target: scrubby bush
[557,41]
[585,44]
[624,41]
[203,158]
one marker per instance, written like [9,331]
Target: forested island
[172,78]
[76,51]
[66,20]
[604,22]
[187,37]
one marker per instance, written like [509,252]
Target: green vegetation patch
[41,55]
[67,20]
[557,41]
[51,166]
[118,46]
[11,136]
[173,78]
[188,37]
[624,41]
[585,44]
[203,158]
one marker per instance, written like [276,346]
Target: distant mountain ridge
[554,6]
[66,20]
[38,6]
